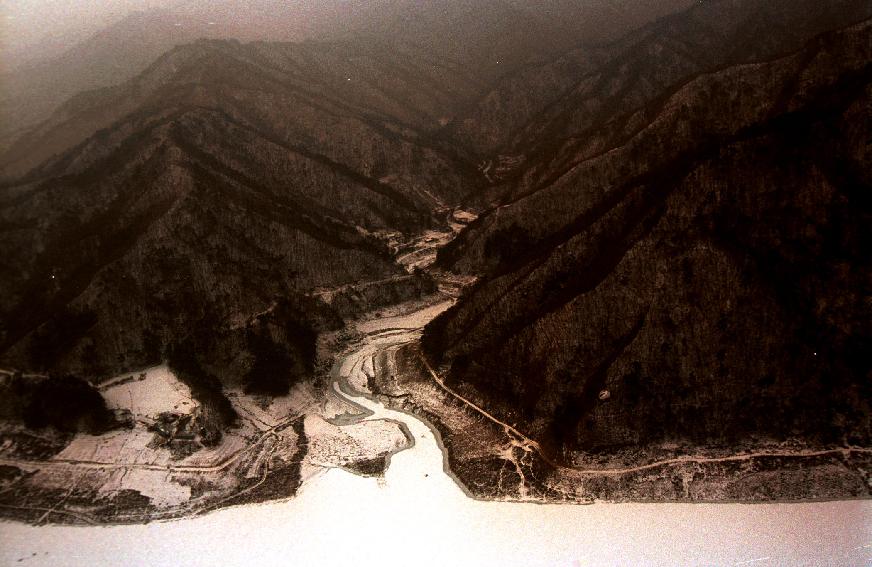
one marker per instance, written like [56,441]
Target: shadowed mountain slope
[485,38]
[309,88]
[699,271]
[226,176]
[545,112]
[675,245]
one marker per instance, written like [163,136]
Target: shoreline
[409,405]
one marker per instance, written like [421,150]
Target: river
[418,515]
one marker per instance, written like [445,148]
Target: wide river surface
[418,515]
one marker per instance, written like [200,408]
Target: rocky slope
[227,177]
[487,38]
[361,78]
[482,36]
[675,250]
[206,209]
[124,49]
[546,112]
[698,271]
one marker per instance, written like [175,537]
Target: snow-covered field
[416,514]
[158,391]
[419,516]
[415,320]
[156,485]
[334,446]
[127,459]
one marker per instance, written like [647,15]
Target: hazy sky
[46,25]
[36,29]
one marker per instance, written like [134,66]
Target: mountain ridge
[534,273]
